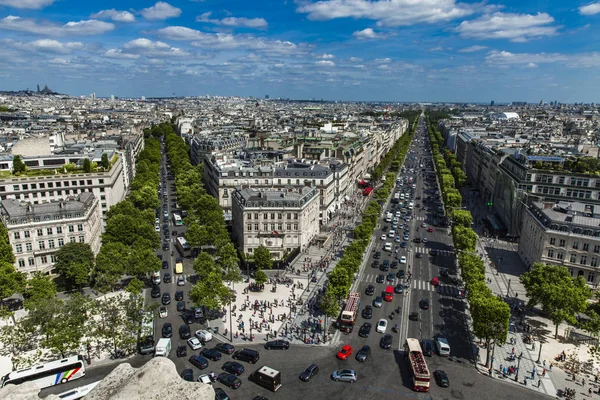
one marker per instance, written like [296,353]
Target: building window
[61,242]
[80,227]
[249,227]
[72,239]
[41,245]
[40,232]
[590,278]
[81,239]
[71,228]
[295,227]
[21,263]
[561,243]
[53,258]
[586,247]
[50,243]
[575,245]
[573,258]
[28,247]
[272,215]
[594,262]
[583,260]
[280,216]
[17,235]
[26,234]
[31,261]
[59,229]
[49,231]
[289,216]
[265,216]
[249,216]
[18,248]
[552,241]
[551,253]
[256,216]
[560,255]
[265,227]
[295,215]
[272,227]
[44,260]
[279,227]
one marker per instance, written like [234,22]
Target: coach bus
[182,246]
[49,374]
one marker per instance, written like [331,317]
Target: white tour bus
[49,374]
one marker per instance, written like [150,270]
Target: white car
[382,325]
[205,378]
[391,233]
[194,343]
[424,240]
[423,225]
[181,281]
[157,221]
[403,260]
[383,237]
[163,313]
[203,335]
[157,228]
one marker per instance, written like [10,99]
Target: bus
[146,334]
[49,374]
[418,366]
[177,219]
[78,392]
[349,312]
[182,246]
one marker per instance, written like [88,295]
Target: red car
[430,230]
[345,352]
[435,281]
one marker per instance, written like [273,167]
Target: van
[443,347]
[156,278]
[388,217]
[266,377]
[388,246]
[388,295]
[248,355]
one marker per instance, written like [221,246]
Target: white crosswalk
[426,250]
[445,290]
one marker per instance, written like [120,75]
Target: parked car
[198,362]
[167,330]
[162,312]
[386,341]
[211,354]
[309,372]
[277,345]
[441,378]
[225,348]
[229,380]
[194,343]
[233,367]
[344,375]
[181,351]
[363,353]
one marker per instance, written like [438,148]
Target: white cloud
[59,61]
[326,56]
[472,49]
[355,59]
[437,48]
[590,9]
[118,16]
[258,23]
[368,34]
[54,46]
[577,60]
[118,53]
[390,12]
[515,27]
[161,10]
[29,4]
[145,47]
[382,60]
[80,28]
[325,63]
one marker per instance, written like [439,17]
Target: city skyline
[396,50]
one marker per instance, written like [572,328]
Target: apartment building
[281,220]
[37,231]
[203,146]
[563,233]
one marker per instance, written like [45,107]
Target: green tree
[145,198]
[142,261]
[111,265]
[11,280]
[75,261]
[6,252]
[260,277]
[560,295]
[339,283]
[204,266]
[211,293]
[197,235]
[129,230]
[464,238]
[228,261]
[135,286]
[490,320]
[64,332]
[104,161]
[87,165]
[262,258]
[18,165]
[40,289]
[461,217]
[114,326]
[330,307]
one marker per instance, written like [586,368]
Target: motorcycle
[395,328]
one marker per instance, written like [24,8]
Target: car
[309,372]
[166,299]
[394,264]
[391,233]
[365,330]
[386,265]
[386,341]
[430,230]
[184,331]
[277,345]
[380,278]
[187,375]
[424,304]
[363,353]
[205,378]
[406,237]
[425,240]
[390,277]
[233,367]
[211,354]
[198,362]
[398,288]
[204,335]
[220,394]
[375,264]
[179,295]
[344,375]
[417,240]
[383,238]
[400,274]
[157,228]
[345,352]
[165,264]
[225,348]
[377,255]
[427,347]
[181,351]
[398,239]
[381,325]
[419,255]
[441,378]
[180,281]
[167,330]
[155,293]
[165,246]
[403,260]
[435,281]
[413,316]
[180,306]
[194,343]
[378,302]
[370,290]
[423,225]
[367,312]
[229,380]
[444,272]
[162,312]
[404,245]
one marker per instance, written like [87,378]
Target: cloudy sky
[392,50]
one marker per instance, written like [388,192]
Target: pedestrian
[582,381]
[550,369]
[544,364]
[544,372]
[539,382]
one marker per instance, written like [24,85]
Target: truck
[266,377]
[163,348]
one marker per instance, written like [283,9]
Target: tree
[114,326]
[11,280]
[87,165]
[6,252]
[262,258]
[63,333]
[330,308]
[135,286]
[204,266]
[142,261]
[228,260]
[211,292]
[40,289]
[339,283]
[462,217]
[104,161]
[490,319]
[145,198]
[74,261]
[111,264]
[260,277]
[560,295]
[18,165]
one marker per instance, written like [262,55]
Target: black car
[444,272]
[386,341]
[365,329]
[363,353]
[425,304]
[427,347]
[419,255]
[187,375]
[309,372]
[375,264]
[225,348]
[403,245]
[400,274]
[198,362]
[181,351]
[390,277]
[180,306]
[441,378]
[184,331]
[413,316]
[370,291]
[167,278]
[380,278]
[385,266]
[377,255]
[211,354]
[394,264]
[179,295]
[220,394]
[155,293]
[165,264]
[233,367]
[166,299]
[229,380]
[367,312]
[398,288]
[165,246]
[167,330]
[277,345]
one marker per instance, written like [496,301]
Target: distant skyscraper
[492,103]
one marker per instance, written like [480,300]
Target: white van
[388,217]
[443,347]
[411,205]
[156,277]
[388,246]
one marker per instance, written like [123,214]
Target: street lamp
[518,368]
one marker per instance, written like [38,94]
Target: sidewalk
[503,268]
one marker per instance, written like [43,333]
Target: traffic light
[489,203]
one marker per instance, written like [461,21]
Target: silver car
[344,375]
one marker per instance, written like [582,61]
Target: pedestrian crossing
[444,290]
[426,250]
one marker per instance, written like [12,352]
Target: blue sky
[389,50]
